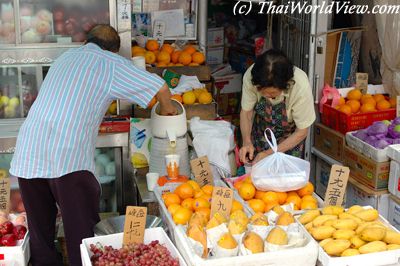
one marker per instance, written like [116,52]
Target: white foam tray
[378,155]
[16,256]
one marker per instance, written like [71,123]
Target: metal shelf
[325,157]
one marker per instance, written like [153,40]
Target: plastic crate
[378,155]
[344,123]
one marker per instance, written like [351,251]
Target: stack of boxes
[215,46]
[394,185]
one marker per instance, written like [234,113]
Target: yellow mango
[350,252]
[253,242]
[285,218]
[345,224]
[197,233]
[257,216]
[309,226]
[309,216]
[362,226]
[336,247]
[322,232]
[227,241]
[260,222]
[320,220]
[392,237]
[343,234]
[355,208]
[236,228]
[277,236]
[374,246]
[356,242]
[368,215]
[346,215]
[393,246]
[329,222]
[239,215]
[373,233]
[334,210]
[278,209]
[323,242]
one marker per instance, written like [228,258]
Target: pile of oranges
[201,96]
[357,102]
[189,198]
[167,55]
[264,201]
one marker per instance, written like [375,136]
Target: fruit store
[199,132]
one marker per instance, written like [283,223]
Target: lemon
[189,97]
[205,98]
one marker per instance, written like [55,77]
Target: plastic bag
[329,93]
[279,171]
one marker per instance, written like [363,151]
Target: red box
[123,124]
[344,123]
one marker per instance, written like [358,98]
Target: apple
[59,27]
[14,102]
[58,14]
[386,122]
[45,15]
[9,112]
[31,36]
[4,100]
[43,27]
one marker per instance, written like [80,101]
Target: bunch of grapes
[133,255]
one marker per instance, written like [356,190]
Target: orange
[378,97]
[341,101]
[292,193]
[248,180]
[383,105]
[270,206]
[167,48]
[152,103]
[296,200]
[205,211]
[208,189]
[259,194]
[137,49]
[179,64]
[188,203]
[205,98]
[152,45]
[193,64]
[178,98]
[270,197]
[354,94]
[247,191]
[257,205]
[163,57]
[193,183]
[171,198]
[308,198]
[184,191]
[189,97]
[308,204]
[282,196]
[366,108]
[182,216]
[175,56]
[345,109]
[237,184]
[165,195]
[150,57]
[206,197]
[198,58]
[354,105]
[189,49]
[171,64]
[156,52]
[198,193]
[365,97]
[200,203]
[236,205]
[393,102]
[161,65]
[370,101]
[173,207]
[306,190]
[185,58]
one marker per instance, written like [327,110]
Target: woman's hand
[246,153]
[261,156]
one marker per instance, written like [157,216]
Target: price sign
[221,201]
[5,194]
[337,185]
[159,31]
[362,82]
[202,171]
[135,223]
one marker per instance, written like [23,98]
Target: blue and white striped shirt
[59,135]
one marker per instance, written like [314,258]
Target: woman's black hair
[105,36]
[272,69]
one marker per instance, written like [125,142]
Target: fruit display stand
[388,257]
[378,155]
[115,240]
[18,255]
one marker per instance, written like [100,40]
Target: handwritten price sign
[221,202]
[135,223]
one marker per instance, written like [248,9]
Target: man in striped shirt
[54,156]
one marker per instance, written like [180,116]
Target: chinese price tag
[221,201]
[362,82]
[337,185]
[159,31]
[135,223]
[202,171]
[5,194]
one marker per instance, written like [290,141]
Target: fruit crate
[344,123]
[18,255]
[389,257]
[378,155]
[115,240]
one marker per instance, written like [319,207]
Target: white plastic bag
[279,171]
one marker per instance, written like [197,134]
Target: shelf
[325,157]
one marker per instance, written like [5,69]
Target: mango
[260,222]
[344,234]
[350,252]
[393,246]
[374,246]
[356,242]
[345,224]
[309,216]
[277,236]
[329,222]
[239,215]
[334,210]
[322,232]
[320,220]
[278,209]
[336,247]
[258,216]
[309,226]
[372,233]
[216,220]
[227,241]
[362,226]
[285,218]
[392,237]
[236,228]
[368,215]
[323,242]
[253,242]
[198,218]
[197,233]
[346,215]
[355,208]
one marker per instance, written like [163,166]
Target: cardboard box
[367,171]
[329,141]
[359,194]
[394,178]
[227,93]
[215,36]
[394,211]
[215,55]
[342,53]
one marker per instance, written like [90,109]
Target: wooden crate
[202,72]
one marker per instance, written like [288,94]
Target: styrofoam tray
[372,259]
[378,155]
[16,256]
[393,152]
[115,240]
